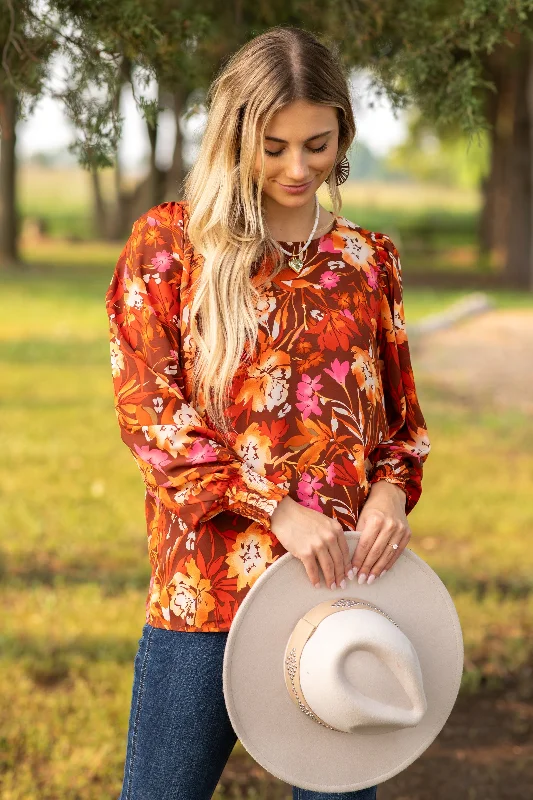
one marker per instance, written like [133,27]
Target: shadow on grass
[46,568]
[50,662]
[47,351]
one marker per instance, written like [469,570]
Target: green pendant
[296,263]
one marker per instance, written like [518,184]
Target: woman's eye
[313,150]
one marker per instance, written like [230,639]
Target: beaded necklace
[296,261]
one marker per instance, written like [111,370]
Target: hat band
[303,630]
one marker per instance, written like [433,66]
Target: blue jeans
[180,735]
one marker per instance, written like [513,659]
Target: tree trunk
[157,186]
[518,267]
[99,207]
[494,218]
[155,181]
[176,173]
[9,222]
[121,220]
[529,92]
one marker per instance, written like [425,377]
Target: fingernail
[355,571]
[317,585]
[333,585]
[383,572]
[350,574]
[371,579]
[343,584]
[362,578]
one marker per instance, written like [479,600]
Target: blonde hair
[225,221]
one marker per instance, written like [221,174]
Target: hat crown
[352,658]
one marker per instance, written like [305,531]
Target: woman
[263,384]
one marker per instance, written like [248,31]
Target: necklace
[296,261]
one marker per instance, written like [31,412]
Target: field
[73,556]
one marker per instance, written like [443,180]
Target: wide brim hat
[337,702]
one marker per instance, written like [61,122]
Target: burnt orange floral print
[327,407]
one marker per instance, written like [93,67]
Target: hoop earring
[342,170]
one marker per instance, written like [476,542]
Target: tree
[157,42]
[466,64]
[98,42]
[26,48]
[188,47]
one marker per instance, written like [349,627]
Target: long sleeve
[184,462]
[398,458]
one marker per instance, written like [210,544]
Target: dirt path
[486,360]
[484,752]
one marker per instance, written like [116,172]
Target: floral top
[327,407]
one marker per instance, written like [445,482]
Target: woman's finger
[386,530]
[394,555]
[389,557]
[369,533]
[336,553]
[325,560]
[382,547]
[309,561]
[345,552]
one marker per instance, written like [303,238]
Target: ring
[395,546]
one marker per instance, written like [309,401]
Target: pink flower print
[338,371]
[330,474]
[372,276]
[347,313]
[326,246]
[306,492]
[393,447]
[158,458]
[305,391]
[162,261]
[307,386]
[201,453]
[328,279]
[152,221]
[309,406]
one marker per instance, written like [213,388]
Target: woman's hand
[382,523]
[315,539]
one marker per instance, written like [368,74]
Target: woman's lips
[296,189]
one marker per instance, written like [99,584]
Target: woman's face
[300,144]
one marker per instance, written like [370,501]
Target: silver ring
[395,546]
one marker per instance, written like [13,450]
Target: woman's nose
[297,169]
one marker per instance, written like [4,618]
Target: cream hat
[335,691]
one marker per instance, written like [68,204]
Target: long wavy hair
[225,215]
